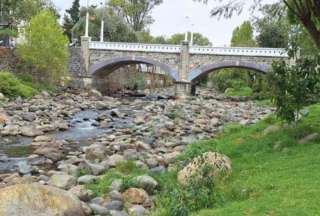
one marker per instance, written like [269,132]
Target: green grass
[12,87]
[243,91]
[15,85]
[124,171]
[272,174]
[268,180]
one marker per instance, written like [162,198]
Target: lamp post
[87,21]
[102,22]
[191,40]
[186,34]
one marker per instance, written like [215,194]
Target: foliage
[242,91]
[242,35]
[13,87]
[45,48]
[71,18]
[177,200]
[124,171]
[135,12]
[115,30]
[198,39]
[273,27]
[294,86]
[306,12]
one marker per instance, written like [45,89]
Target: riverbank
[150,134]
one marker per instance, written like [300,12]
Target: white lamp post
[191,41]
[186,34]
[102,23]
[87,21]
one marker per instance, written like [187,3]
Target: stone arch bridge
[185,64]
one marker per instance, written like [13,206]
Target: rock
[98,209]
[95,152]
[116,113]
[116,185]
[30,131]
[219,165]
[24,167]
[35,199]
[115,205]
[118,213]
[171,157]
[158,170]
[100,105]
[2,97]
[271,129]
[310,138]
[42,139]
[62,180]
[81,192]
[146,182]
[138,210]
[87,179]
[113,160]
[10,130]
[136,196]
[4,119]
[115,195]
[96,93]
[152,163]
[29,117]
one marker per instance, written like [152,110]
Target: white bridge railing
[167,48]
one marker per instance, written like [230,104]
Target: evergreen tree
[71,18]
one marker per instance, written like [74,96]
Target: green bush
[13,87]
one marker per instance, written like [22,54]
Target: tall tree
[243,36]
[116,29]
[307,12]
[45,47]
[71,17]
[198,39]
[273,26]
[135,12]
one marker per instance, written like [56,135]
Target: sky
[171,17]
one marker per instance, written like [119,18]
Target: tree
[273,27]
[198,39]
[243,36]
[135,12]
[45,48]
[115,27]
[307,12]
[71,18]
[295,86]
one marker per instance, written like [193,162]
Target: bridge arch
[112,64]
[198,73]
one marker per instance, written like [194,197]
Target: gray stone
[146,182]
[24,167]
[62,180]
[30,131]
[29,117]
[98,209]
[115,205]
[87,179]
[115,195]
[138,210]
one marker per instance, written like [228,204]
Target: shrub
[294,86]
[45,49]
[13,87]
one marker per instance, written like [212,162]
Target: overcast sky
[170,18]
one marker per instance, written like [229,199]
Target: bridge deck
[200,50]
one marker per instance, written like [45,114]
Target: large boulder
[4,119]
[36,199]
[219,165]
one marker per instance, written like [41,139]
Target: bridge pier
[182,89]
[85,50]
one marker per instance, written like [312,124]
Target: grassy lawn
[272,174]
